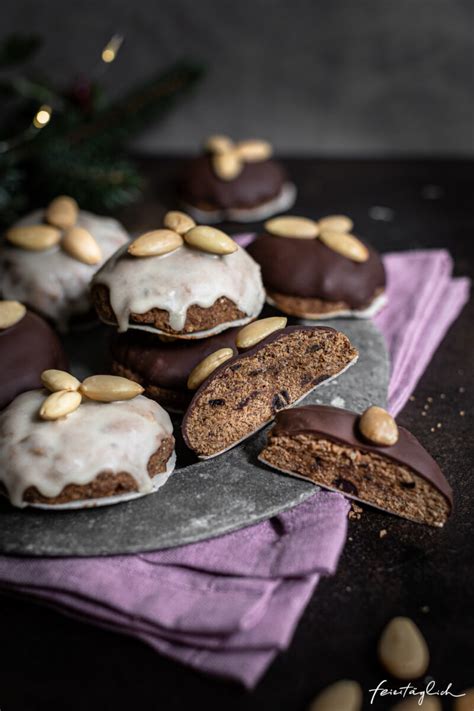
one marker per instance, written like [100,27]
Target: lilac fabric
[228,605]
[423,301]
[224,606]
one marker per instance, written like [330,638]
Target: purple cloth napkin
[423,301]
[224,606]
[228,605]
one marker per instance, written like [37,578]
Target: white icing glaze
[115,437]
[177,280]
[52,282]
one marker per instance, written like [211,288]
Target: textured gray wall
[332,77]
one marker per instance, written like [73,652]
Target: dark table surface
[53,662]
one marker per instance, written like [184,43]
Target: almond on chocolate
[324,445]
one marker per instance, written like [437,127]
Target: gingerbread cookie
[183,280]
[28,345]
[276,367]
[235,181]
[368,458]
[162,367]
[318,270]
[49,257]
[85,444]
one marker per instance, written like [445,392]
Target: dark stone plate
[201,499]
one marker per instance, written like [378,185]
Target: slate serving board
[201,499]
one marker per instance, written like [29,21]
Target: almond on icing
[130,432]
[28,277]
[185,277]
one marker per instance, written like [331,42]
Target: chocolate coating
[26,349]
[307,268]
[256,184]
[341,426]
[166,364]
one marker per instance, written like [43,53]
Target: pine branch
[97,179]
[132,113]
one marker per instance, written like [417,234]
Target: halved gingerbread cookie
[238,395]
[182,280]
[48,258]
[83,445]
[367,458]
[28,345]
[162,367]
[235,181]
[318,270]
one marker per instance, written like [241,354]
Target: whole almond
[11,312]
[345,244]
[218,144]
[466,702]
[297,227]
[253,150]
[209,239]
[430,703]
[402,649]
[344,695]
[178,221]
[155,243]
[255,332]
[378,426]
[227,166]
[207,366]
[62,212]
[81,245]
[56,380]
[34,237]
[60,404]
[338,223]
[110,388]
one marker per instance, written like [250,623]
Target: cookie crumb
[383,532]
[356,512]
[382,213]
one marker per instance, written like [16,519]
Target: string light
[42,116]
[111,49]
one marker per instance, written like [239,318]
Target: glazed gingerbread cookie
[366,457]
[84,444]
[235,181]
[318,270]
[183,280]
[28,345]
[48,258]
[276,366]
